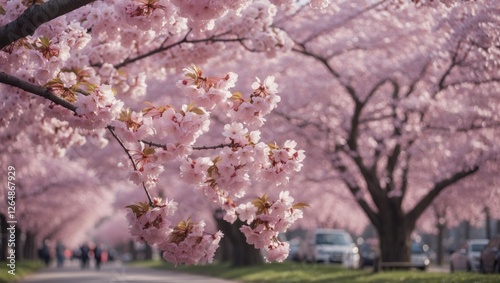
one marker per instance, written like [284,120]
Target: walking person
[44,253]
[84,255]
[98,256]
[60,253]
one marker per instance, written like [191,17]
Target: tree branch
[112,131]
[422,205]
[35,16]
[355,190]
[38,90]
[164,146]
[214,38]
[471,82]
[350,89]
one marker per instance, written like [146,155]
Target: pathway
[115,273]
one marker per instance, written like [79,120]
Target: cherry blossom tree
[403,103]
[80,72]
[86,75]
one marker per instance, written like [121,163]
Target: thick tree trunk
[488,222]
[395,242]
[440,248]
[29,249]
[19,244]
[132,250]
[148,252]
[241,253]
[467,230]
[394,232]
[225,250]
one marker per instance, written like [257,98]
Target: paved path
[115,273]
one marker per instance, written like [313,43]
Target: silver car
[467,256]
[419,257]
[330,245]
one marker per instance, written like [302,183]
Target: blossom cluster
[224,177]
[184,242]
[266,219]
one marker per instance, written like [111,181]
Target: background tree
[402,103]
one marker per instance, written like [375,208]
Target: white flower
[68,79]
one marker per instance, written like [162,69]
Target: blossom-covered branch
[36,15]
[112,131]
[38,90]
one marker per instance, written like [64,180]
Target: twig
[194,147]
[215,146]
[112,130]
[214,38]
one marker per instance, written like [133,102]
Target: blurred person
[60,253]
[84,255]
[98,256]
[44,252]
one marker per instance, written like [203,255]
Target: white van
[330,245]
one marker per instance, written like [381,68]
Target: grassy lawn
[23,268]
[320,273]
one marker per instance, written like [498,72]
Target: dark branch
[350,89]
[214,38]
[355,190]
[215,146]
[38,90]
[493,125]
[35,16]
[164,146]
[112,130]
[344,22]
[422,205]
[475,83]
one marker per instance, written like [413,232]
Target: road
[114,273]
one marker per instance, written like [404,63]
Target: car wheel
[452,269]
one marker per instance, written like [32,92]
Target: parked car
[467,256]
[293,255]
[369,254]
[489,261]
[330,245]
[419,257]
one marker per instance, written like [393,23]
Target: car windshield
[417,249]
[332,239]
[477,247]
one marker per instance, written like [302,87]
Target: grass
[23,268]
[320,273]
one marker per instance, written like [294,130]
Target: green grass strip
[320,273]
[23,268]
